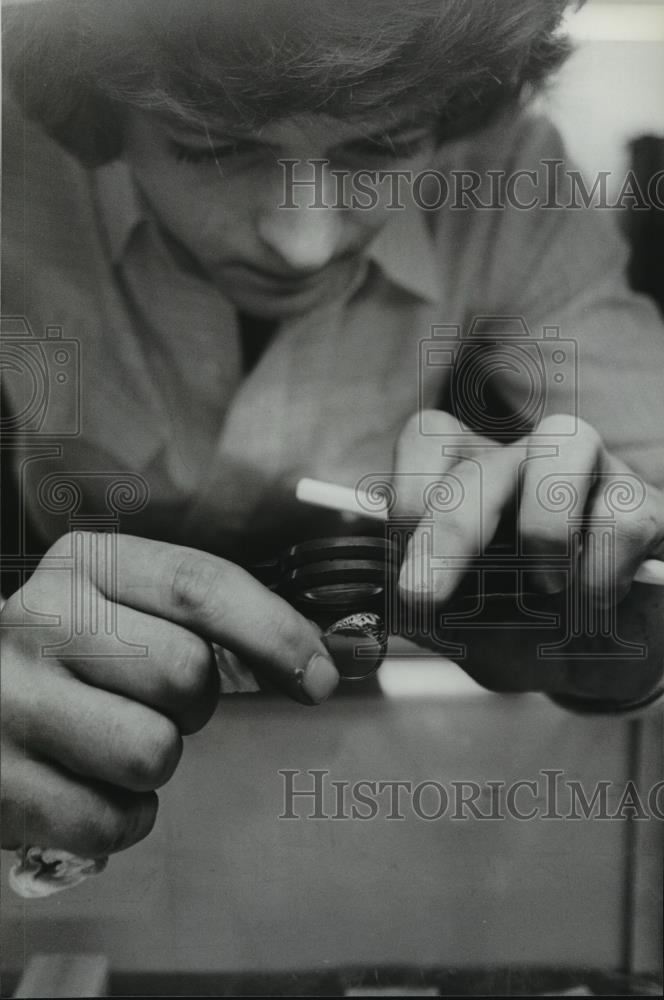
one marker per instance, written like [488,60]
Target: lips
[274,284]
[251,286]
[287,278]
[290,278]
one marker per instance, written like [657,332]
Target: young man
[215,316]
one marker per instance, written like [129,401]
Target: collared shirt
[140,364]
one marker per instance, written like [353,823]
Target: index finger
[220,602]
[442,547]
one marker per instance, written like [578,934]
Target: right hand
[89,735]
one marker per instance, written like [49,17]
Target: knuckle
[64,545]
[196,582]
[635,531]
[153,759]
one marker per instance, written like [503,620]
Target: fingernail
[319,679]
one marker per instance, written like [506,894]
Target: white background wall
[612,89]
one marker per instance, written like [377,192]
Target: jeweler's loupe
[341,584]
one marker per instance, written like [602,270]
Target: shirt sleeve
[554,274]
[561,269]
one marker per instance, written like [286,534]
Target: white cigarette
[340,498]
[346,500]
[651,571]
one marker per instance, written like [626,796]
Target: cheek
[376,193]
[368,214]
[206,214]
[221,215]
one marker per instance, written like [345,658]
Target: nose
[307,236]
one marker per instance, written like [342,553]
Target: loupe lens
[342,585]
[341,595]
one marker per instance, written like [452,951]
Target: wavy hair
[75,66]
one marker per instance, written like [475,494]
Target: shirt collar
[406,253]
[404,248]
[120,206]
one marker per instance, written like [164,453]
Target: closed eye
[210,154]
[388,149]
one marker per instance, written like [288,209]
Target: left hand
[563,459]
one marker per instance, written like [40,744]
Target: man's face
[219,196]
